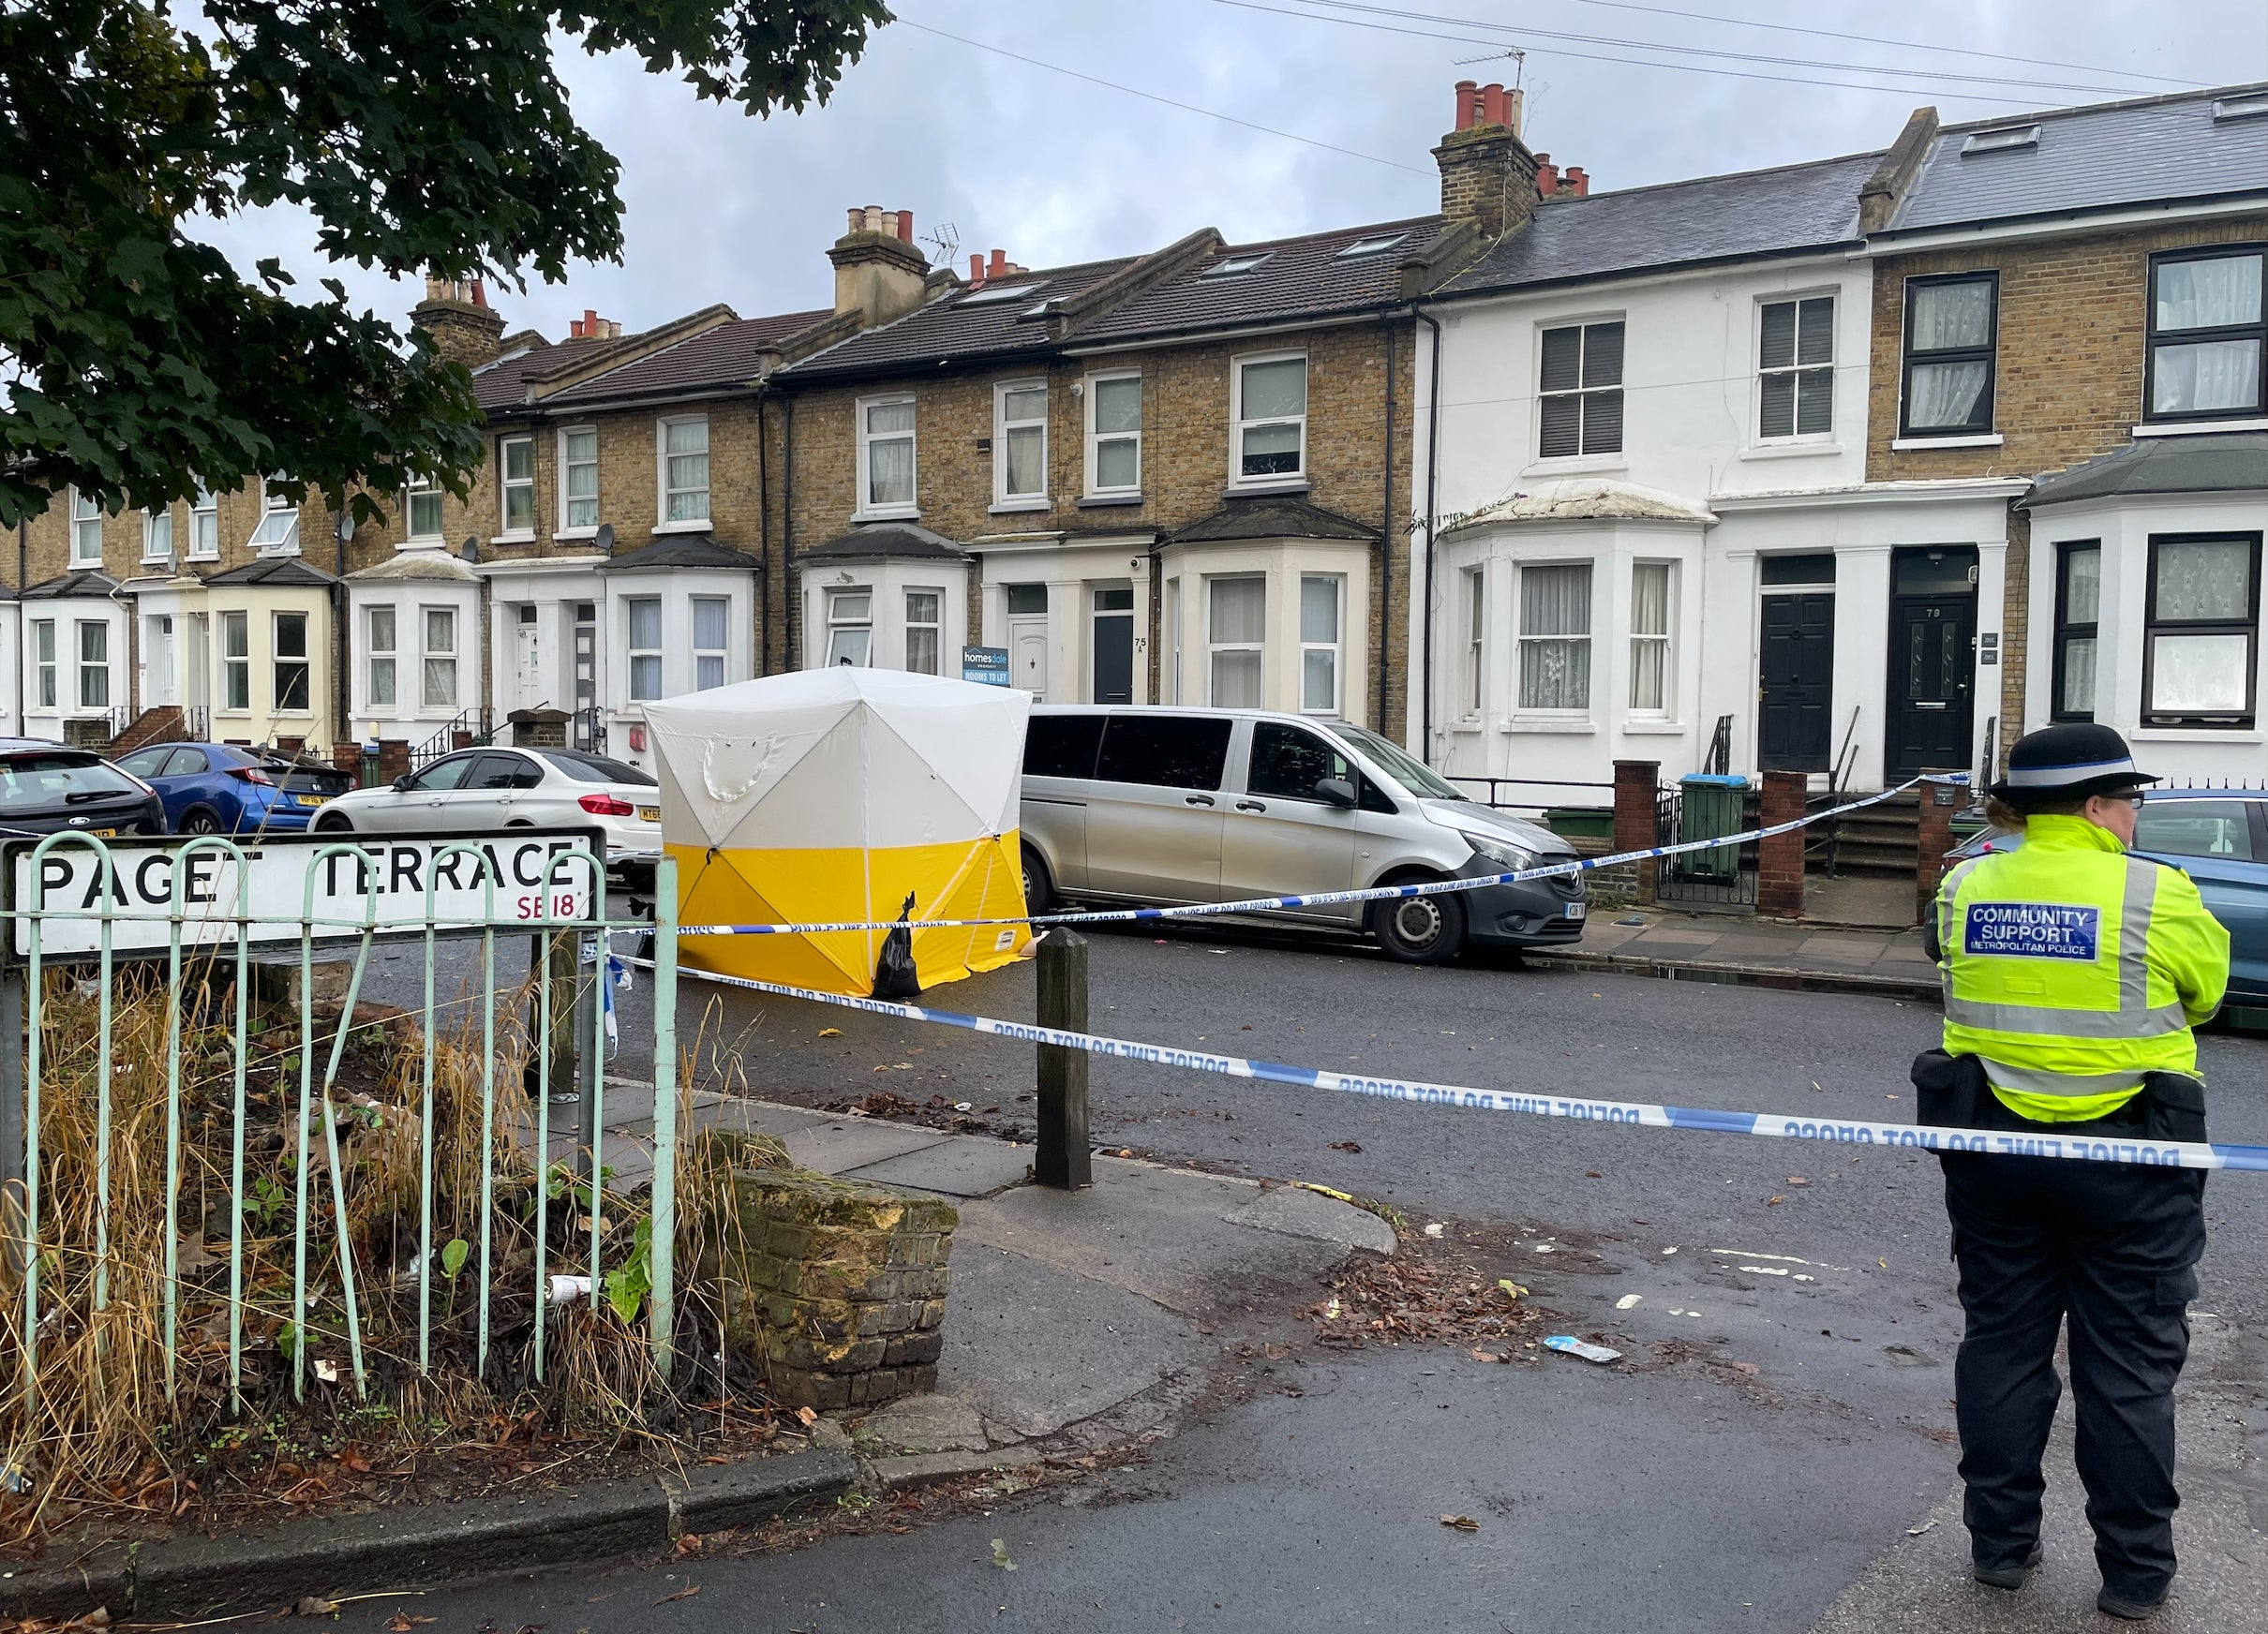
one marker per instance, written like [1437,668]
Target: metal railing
[355,1181]
[1495,800]
[474,724]
[1719,761]
[1722,877]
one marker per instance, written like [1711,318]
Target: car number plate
[1573,910]
[310,799]
[649,813]
[101,833]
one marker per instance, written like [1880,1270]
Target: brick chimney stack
[1488,176]
[878,273]
[457,313]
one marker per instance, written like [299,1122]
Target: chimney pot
[1468,104]
[1547,176]
[857,220]
[906,226]
[480,293]
[1492,104]
[976,266]
[999,264]
[1578,181]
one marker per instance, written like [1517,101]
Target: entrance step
[1882,839]
[162,724]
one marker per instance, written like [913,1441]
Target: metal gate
[1721,879]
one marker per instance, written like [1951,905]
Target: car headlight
[1508,859]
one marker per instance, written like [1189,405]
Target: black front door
[1933,660]
[1797,685]
[1114,645]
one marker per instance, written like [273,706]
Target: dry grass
[105,1435]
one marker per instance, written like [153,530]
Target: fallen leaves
[315,1606]
[403,1621]
[1797,1181]
[805,1416]
[1000,1554]
[1346,1146]
[1774,1198]
[1461,1522]
[689,1544]
[686,1592]
[830,1031]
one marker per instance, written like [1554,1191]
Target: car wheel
[1039,890]
[1419,930]
[199,821]
[334,823]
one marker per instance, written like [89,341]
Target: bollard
[1065,1159]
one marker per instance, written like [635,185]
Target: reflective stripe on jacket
[2072,969]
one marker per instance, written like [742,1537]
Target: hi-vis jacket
[2072,969]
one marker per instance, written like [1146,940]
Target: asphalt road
[1798,1297]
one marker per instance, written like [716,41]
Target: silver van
[1162,806]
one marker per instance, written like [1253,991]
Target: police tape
[1584,1109]
[1328,899]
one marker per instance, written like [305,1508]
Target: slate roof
[78,581]
[1274,517]
[1784,211]
[503,384]
[2101,157]
[892,541]
[957,326]
[2162,465]
[1299,278]
[683,550]
[730,354]
[288,571]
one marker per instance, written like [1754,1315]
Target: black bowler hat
[2069,763]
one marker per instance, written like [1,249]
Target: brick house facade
[2050,258]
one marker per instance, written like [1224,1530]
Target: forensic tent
[832,795]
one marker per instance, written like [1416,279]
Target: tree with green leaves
[422,136]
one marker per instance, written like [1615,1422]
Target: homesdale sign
[383,882]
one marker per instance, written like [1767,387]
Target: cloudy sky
[1054,168]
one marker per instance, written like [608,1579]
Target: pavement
[1769,952]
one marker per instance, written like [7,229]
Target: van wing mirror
[1335,790]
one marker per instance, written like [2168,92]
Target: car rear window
[1174,752]
[598,768]
[1062,746]
[2220,829]
[45,780]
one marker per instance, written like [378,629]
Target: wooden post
[1065,1160]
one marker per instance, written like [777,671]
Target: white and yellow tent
[829,796]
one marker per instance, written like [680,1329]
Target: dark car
[219,788]
[46,788]
[2219,839]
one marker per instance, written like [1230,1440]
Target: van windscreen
[1062,746]
[1174,752]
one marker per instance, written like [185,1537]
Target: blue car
[2219,839]
[219,788]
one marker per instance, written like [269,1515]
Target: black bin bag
[895,978]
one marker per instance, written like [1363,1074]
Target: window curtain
[2206,375]
[2219,293]
[1555,629]
[1944,393]
[2082,586]
[1649,636]
[688,447]
[1946,316]
[891,472]
[2203,579]
[922,617]
[1240,609]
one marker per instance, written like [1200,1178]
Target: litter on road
[1570,1345]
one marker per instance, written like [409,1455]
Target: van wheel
[1419,930]
[332,822]
[1039,890]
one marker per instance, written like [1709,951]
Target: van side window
[1062,746]
[1174,752]
[1288,762]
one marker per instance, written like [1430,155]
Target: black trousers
[2110,1252]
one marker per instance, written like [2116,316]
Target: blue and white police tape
[1835,1131]
[1326,899]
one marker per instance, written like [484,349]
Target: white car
[477,790]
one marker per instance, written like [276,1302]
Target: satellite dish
[605,539]
[346,528]
[471,550]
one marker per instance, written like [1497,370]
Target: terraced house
[2073,301]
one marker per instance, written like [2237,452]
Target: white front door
[1028,655]
[527,667]
[158,685]
[195,683]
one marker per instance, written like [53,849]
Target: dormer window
[2252,105]
[2001,141]
[1235,265]
[1371,246]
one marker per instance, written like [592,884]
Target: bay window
[1555,637]
[850,628]
[924,631]
[645,647]
[2207,335]
[1319,644]
[711,618]
[1235,633]
[378,654]
[2201,630]
[438,683]
[1476,611]
[1650,638]
[2079,571]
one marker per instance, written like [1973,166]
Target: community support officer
[2073,974]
